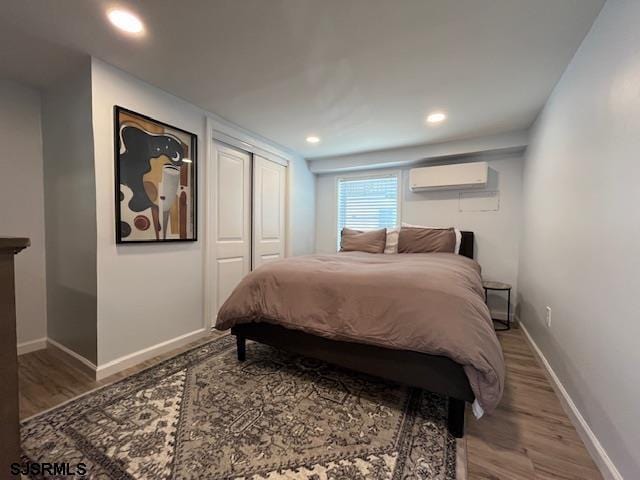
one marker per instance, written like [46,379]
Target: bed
[464,360]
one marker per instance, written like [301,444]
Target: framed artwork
[156,180]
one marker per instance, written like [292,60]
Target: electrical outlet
[548,319]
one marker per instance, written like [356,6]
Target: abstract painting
[155,180]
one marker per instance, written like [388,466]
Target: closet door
[232,219]
[269,197]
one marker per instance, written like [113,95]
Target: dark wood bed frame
[431,372]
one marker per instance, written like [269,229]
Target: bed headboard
[466,244]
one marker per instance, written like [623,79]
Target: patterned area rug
[204,415]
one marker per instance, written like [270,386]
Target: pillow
[426,240]
[457,230]
[391,245]
[372,241]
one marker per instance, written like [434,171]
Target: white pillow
[392,240]
[408,225]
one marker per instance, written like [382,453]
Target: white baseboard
[32,345]
[126,361]
[86,363]
[595,448]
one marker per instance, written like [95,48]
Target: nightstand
[499,287]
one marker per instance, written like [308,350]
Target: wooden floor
[528,437]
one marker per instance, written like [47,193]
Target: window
[367,203]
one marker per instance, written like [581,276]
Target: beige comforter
[429,303]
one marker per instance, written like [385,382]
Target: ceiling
[360,74]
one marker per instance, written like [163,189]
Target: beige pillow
[372,241]
[426,240]
[457,230]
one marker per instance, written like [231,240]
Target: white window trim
[364,176]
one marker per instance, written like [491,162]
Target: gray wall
[496,232]
[70,214]
[22,202]
[301,209]
[581,232]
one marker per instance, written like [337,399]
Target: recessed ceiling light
[125,21]
[313,139]
[436,117]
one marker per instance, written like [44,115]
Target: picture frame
[156,180]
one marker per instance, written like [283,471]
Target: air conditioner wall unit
[449,177]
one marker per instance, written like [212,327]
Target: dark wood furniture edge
[9,407]
[14,244]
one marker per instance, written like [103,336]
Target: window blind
[367,203]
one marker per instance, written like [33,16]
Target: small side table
[500,287]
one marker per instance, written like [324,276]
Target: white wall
[69,184]
[496,232]
[581,232]
[22,200]
[148,294]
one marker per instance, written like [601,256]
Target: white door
[232,220]
[269,197]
